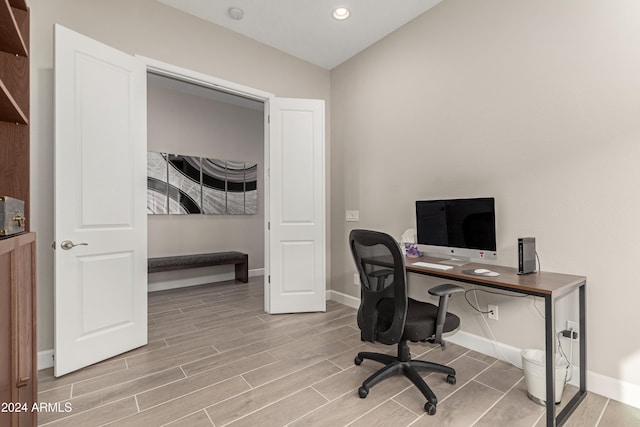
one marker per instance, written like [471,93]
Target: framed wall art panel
[179,184]
[157,183]
[185,188]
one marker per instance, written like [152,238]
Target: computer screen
[457,228]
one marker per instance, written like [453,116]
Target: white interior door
[100,202]
[296,277]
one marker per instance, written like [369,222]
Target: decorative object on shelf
[411,250]
[12,217]
[179,184]
[408,243]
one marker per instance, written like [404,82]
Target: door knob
[68,244]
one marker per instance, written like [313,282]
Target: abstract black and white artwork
[185,189]
[229,187]
[214,186]
[250,188]
[179,184]
[157,183]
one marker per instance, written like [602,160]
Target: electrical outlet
[572,330]
[356,279]
[493,312]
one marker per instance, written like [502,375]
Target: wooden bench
[183,262]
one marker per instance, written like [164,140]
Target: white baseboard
[608,387]
[348,300]
[45,359]
[485,346]
[199,280]
[612,388]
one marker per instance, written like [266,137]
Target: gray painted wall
[534,103]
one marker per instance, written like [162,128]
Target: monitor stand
[457,261]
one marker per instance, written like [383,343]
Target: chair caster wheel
[430,408]
[363,392]
[357,360]
[451,379]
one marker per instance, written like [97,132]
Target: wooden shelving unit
[11,39]
[18,356]
[18,364]
[14,101]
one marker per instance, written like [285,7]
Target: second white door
[296,280]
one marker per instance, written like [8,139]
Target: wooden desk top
[540,283]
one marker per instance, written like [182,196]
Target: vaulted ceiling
[306,28]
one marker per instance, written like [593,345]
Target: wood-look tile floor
[215,358]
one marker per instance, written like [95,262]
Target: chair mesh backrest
[381,267]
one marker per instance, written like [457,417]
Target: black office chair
[388,316]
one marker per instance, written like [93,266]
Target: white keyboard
[430,265]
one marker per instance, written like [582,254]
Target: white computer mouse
[481,271]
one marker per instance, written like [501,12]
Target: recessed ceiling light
[341,13]
[235,13]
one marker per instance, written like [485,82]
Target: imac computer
[457,229]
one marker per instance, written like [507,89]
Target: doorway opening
[100,192]
[206,123]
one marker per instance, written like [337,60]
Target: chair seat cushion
[421,319]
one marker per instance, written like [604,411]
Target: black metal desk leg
[582,307]
[549,339]
[580,395]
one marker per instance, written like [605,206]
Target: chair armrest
[445,289]
[381,276]
[381,273]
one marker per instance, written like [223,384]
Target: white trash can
[533,364]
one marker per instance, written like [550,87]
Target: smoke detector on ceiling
[235,13]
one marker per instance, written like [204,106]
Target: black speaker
[526,255]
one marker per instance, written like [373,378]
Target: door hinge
[269,278]
[53,245]
[269,225]
[269,118]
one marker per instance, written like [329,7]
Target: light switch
[353,216]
